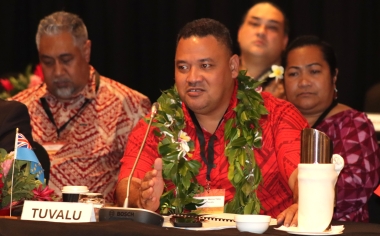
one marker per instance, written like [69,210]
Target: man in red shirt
[205,78]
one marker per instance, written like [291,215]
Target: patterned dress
[94,141]
[354,138]
[277,159]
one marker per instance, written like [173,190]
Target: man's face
[262,34]
[204,74]
[64,64]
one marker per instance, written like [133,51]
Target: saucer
[314,233]
[335,230]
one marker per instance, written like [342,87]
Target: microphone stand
[133,214]
[152,115]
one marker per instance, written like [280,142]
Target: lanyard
[324,114]
[209,160]
[47,110]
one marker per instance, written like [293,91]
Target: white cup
[71,193]
[316,185]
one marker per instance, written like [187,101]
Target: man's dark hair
[286,20]
[205,27]
[311,40]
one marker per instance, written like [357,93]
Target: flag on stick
[25,153]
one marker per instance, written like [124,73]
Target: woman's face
[308,82]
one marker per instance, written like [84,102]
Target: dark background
[133,41]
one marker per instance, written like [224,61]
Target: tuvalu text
[56,214]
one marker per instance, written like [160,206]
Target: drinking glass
[96,199]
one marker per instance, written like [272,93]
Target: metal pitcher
[316,147]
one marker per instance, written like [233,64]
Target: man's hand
[289,217]
[151,188]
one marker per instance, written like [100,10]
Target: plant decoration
[15,84]
[242,134]
[26,186]
[176,149]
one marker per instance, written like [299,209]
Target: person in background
[82,118]
[310,84]
[262,38]
[205,77]
[14,115]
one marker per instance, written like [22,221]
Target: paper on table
[212,224]
[335,229]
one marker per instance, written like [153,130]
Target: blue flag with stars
[25,153]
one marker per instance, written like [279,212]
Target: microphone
[133,214]
[153,112]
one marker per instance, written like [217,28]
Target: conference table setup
[16,227]
[250,127]
[85,213]
[77,218]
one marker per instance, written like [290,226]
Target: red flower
[38,72]
[43,194]
[6,84]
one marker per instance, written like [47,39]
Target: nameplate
[53,148]
[213,201]
[58,211]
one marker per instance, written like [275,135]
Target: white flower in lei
[170,119]
[183,140]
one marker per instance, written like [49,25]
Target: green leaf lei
[242,134]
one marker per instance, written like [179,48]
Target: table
[21,227]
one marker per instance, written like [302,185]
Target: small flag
[25,153]
[22,142]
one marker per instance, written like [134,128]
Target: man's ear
[234,65]
[87,50]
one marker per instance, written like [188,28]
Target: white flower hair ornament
[277,72]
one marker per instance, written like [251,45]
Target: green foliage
[19,83]
[244,134]
[181,170]
[24,182]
